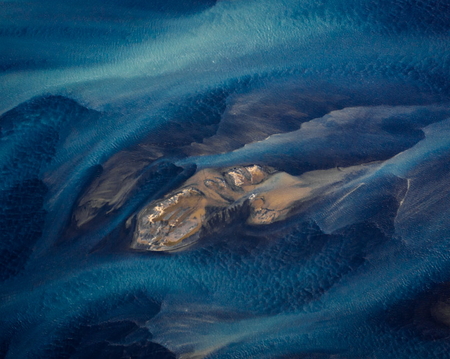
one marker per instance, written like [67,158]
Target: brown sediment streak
[182,216]
[273,204]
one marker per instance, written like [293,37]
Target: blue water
[123,101]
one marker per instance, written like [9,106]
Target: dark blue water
[109,106]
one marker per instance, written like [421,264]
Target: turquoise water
[120,103]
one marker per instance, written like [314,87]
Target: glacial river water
[225,179]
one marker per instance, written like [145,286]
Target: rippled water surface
[225,179]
